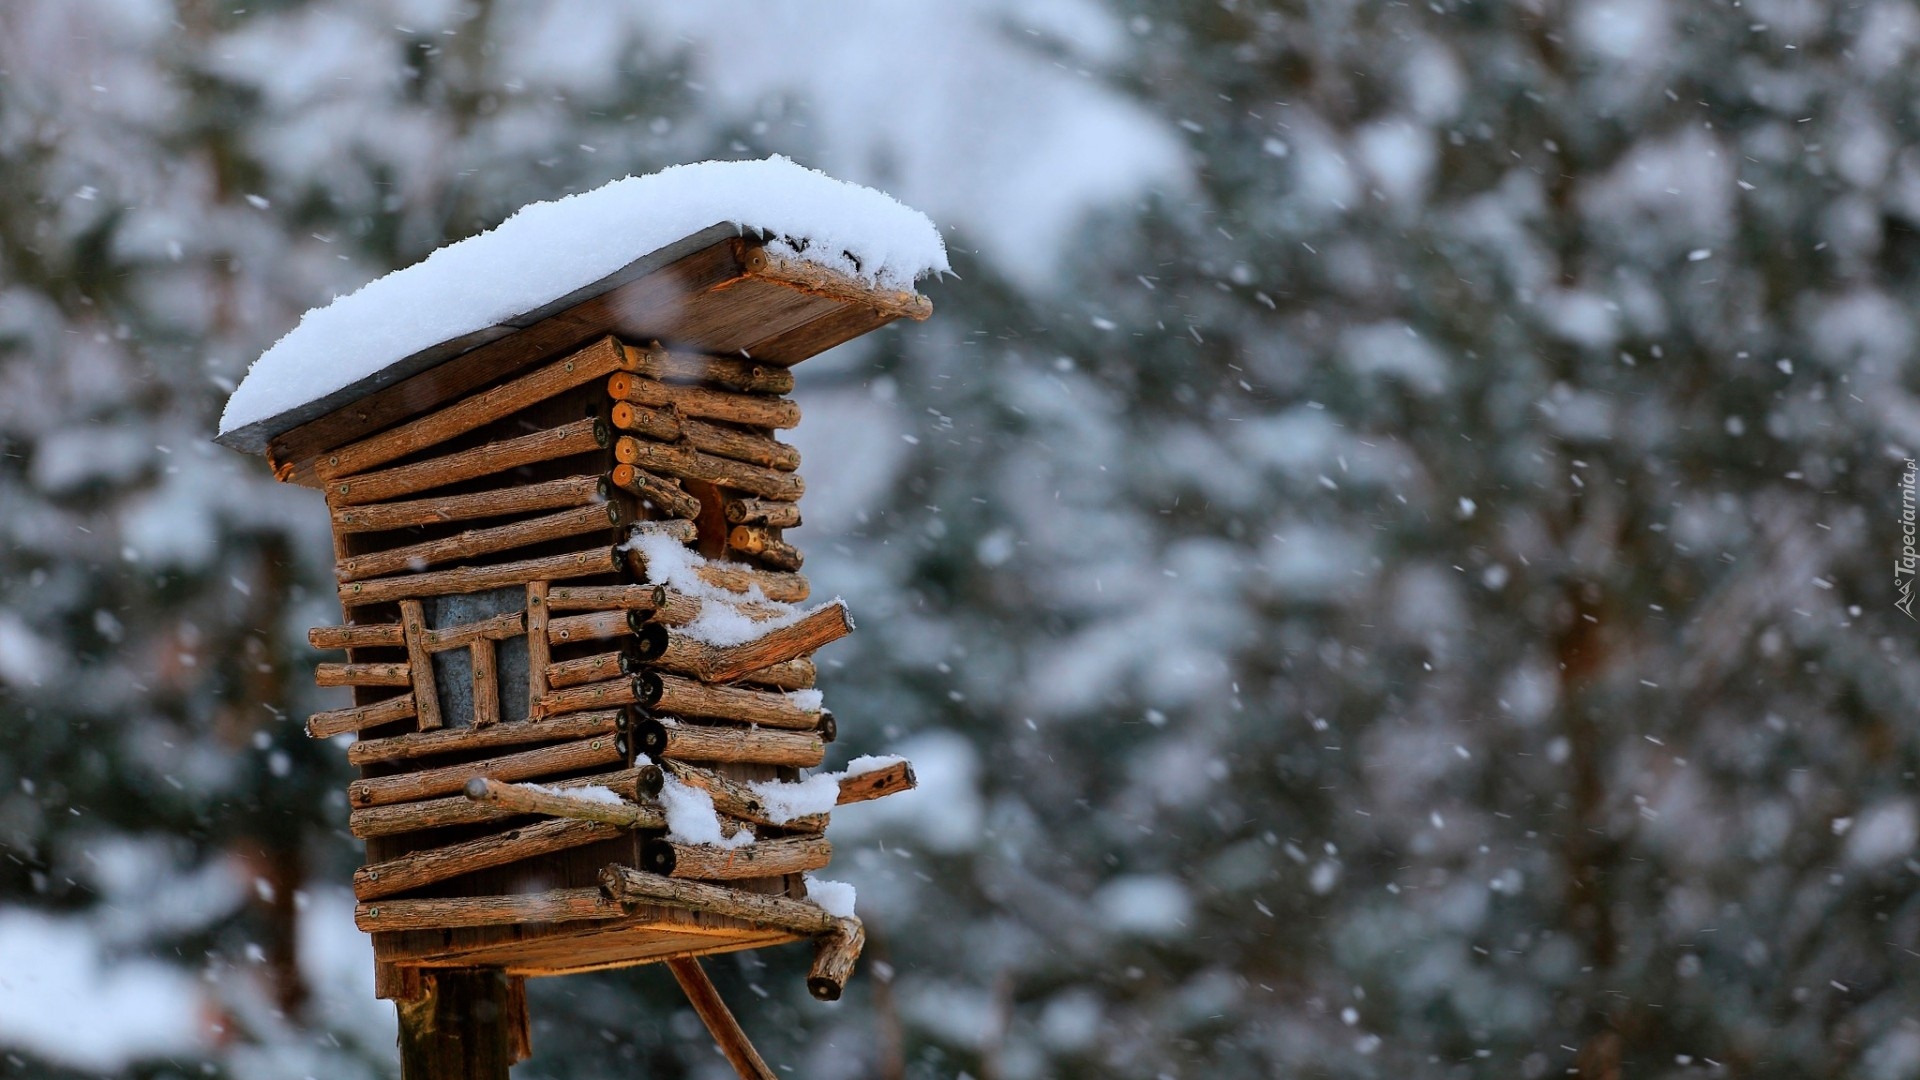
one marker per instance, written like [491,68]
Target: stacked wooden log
[611,525]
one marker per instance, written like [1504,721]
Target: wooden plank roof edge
[794,273]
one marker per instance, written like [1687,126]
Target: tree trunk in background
[467,1024]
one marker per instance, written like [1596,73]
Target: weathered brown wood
[661,739]
[654,362]
[450,810]
[793,344]
[466,545]
[789,675]
[361,675]
[324,725]
[829,728]
[606,597]
[499,628]
[532,799]
[521,499]
[466,579]
[581,367]
[457,740]
[688,300]
[539,654]
[680,460]
[486,683]
[825,281]
[601,695]
[466,1024]
[596,668]
[629,887]
[761,543]
[821,627]
[596,625]
[729,442]
[680,530]
[780,515]
[377,635]
[656,490]
[679,609]
[426,697]
[696,401]
[713,1012]
[525,765]
[733,577]
[834,955]
[734,799]
[659,424]
[418,868]
[553,906]
[710,862]
[579,437]
[690,698]
[877,783]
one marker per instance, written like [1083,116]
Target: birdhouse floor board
[468,579]
[601,945]
[498,502]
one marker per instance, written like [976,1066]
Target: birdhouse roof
[765,258]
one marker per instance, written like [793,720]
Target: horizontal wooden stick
[613,693]
[596,668]
[656,491]
[528,799]
[877,783]
[761,543]
[734,408]
[654,362]
[554,906]
[605,597]
[420,868]
[685,532]
[780,515]
[579,437]
[526,765]
[361,675]
[787,675]
[710,862]
[521,499]
[324,725]
[677,460]
[597,625]
[737,800]
[834,955]
[467,579]
[629,887]
[377,635]
[690,698]
[498,628]
[446,811]
[816,629]
[458,740]
[592,362]
[661,424]
[744,746]
[679,609]
[729,442]
[733,577]
[466,545]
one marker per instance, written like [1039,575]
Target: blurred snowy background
[1382,559]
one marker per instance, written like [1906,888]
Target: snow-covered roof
[551,255]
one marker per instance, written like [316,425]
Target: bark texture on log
[760,542]
[877,783]
[466,579]
[426,698]
[733,577]
[457,740]
[498,628]
[654,362]
[745,746]
[539,656]
[450,810]
[557,526]
[557,905]
[690,698]
[747,409]
[629,887]
[421,868]
[470,1024]
[579,437]
[377,635]
[525,765]
[531,799]
[684,462]
[596,668]
[734,799]
[834,954]
[719,1020]
[522,499]
[486,683]
[325,725]
[780,515]
[817,629]
[657,490]
[762,858]
[361,675]
[606,597]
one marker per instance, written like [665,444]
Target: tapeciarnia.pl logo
[1903,567]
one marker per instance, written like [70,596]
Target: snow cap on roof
[547,250]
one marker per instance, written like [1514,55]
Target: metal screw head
[373,875]
[344,488]
[335,460]
[373,913]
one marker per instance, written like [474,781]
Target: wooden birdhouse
[577,634]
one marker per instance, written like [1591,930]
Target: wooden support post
[468,1024]
[426,699]
[720,1022]
[538,654]
[486,683]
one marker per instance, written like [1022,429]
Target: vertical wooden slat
[486,683]
[537,652]
[426,701]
